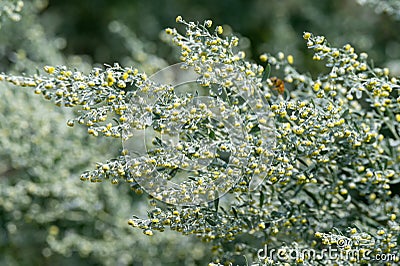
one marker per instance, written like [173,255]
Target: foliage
[391,7]
[262,25]
[47,215]
[335,153]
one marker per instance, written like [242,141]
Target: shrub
[325,149]
[47,215]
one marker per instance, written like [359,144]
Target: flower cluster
[102,95]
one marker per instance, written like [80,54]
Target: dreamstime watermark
[293,253]
[209,151]
[359,249]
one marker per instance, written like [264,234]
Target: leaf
[345,113]
[234,212]
[211,222]
[303,162]
[216,202]
[261,199]
[277,214]
[312,197]
[371,141]
[223,210]
[312,102]
[255,130]
[358,94]
[324,151]
[266,73]
[173,172]
[248,222]
[395,181]
[116,120]
[348,200]
[157,141]
[211,134]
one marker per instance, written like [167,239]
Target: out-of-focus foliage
[140,53]
[10,9]
[390,7]
[47,215]
[268,25]
[24,44]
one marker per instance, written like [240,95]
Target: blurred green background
[47,215]
[264,25]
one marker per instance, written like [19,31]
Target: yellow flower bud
[290,59]
[178,19]
[49,69]
[306,35]
[220,30]
[263,58]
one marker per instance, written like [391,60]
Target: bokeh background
[47,215]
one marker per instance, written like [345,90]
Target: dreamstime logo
[197,152]
[342,252]
[338,253]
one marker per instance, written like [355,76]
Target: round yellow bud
[148,232]
[263,58]
[178,19]
[49,69]
[220,30]
[290,59]
[306,35]
[380,232]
